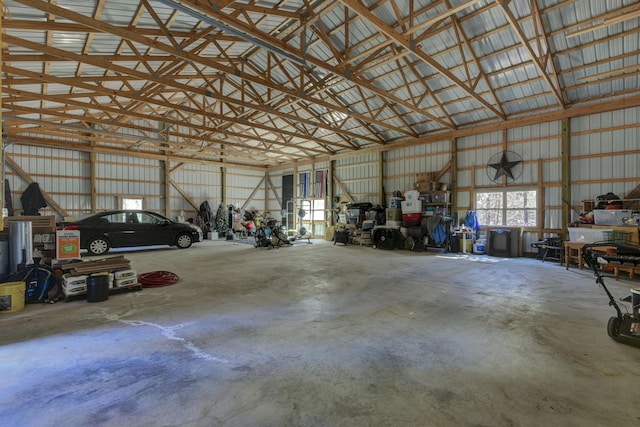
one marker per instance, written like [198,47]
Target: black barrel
[97,288]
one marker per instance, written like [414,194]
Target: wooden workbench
[573,251]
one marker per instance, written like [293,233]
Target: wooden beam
[441,17]
[343,73]
[404,42]
[25,176]
[541,200]
[624,14]
[566,173]
[578,111]
[275,193]
[183,194]
[65,145]
[515,26]
[345,193]
[381,198]
[186,55]
[253,193]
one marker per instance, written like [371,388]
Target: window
[514,208]
[131,204]
[117,218]
[314,218]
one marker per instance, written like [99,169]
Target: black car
[125,228]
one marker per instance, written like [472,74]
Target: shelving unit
[436,199]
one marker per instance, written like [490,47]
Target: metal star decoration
[503,167]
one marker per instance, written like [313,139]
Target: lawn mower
[624,327]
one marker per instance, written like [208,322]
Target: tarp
[32,200]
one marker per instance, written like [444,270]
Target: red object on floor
[157,279]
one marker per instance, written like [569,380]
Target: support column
[167,189]
[566,174]
[93,158]
[331,220]
[295,197]
[382,197]
[267,180]
[223,186]
[454,179]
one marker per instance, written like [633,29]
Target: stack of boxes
[73,284]
[125,278]
[411,209]
[77,272]
[426,182]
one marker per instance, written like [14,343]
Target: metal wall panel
[605,152]
[240,186]
[359,177]
[402,165]
[199,183]
[532,144]
[59,174]
[605,158]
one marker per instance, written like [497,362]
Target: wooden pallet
[114,263]
[121,289]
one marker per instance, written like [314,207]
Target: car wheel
[98,246]
[184,241]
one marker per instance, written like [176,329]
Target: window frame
[505,209]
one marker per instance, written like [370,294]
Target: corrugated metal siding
[61,174]
[200,183]
[402,165]
[359,176]
[599,164]
[534,144]
[605,158]
[240,184]
[119,176]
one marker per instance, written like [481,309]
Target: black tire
[613,327]
[184,241]
[98,246]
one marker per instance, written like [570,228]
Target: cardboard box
[68,244]
[73,285]
[125,274]
[126,282]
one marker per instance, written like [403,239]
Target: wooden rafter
[554,85]
[405,43]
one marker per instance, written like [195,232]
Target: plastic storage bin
[610,216]
[412,206]
[587,235]
[411,195]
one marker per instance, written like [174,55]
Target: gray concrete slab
[324,335]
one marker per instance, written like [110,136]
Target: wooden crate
[39,224]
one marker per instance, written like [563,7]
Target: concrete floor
[323,335]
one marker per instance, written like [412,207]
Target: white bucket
[479,245]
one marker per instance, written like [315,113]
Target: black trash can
[97,288]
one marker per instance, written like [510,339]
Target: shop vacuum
[624,327]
